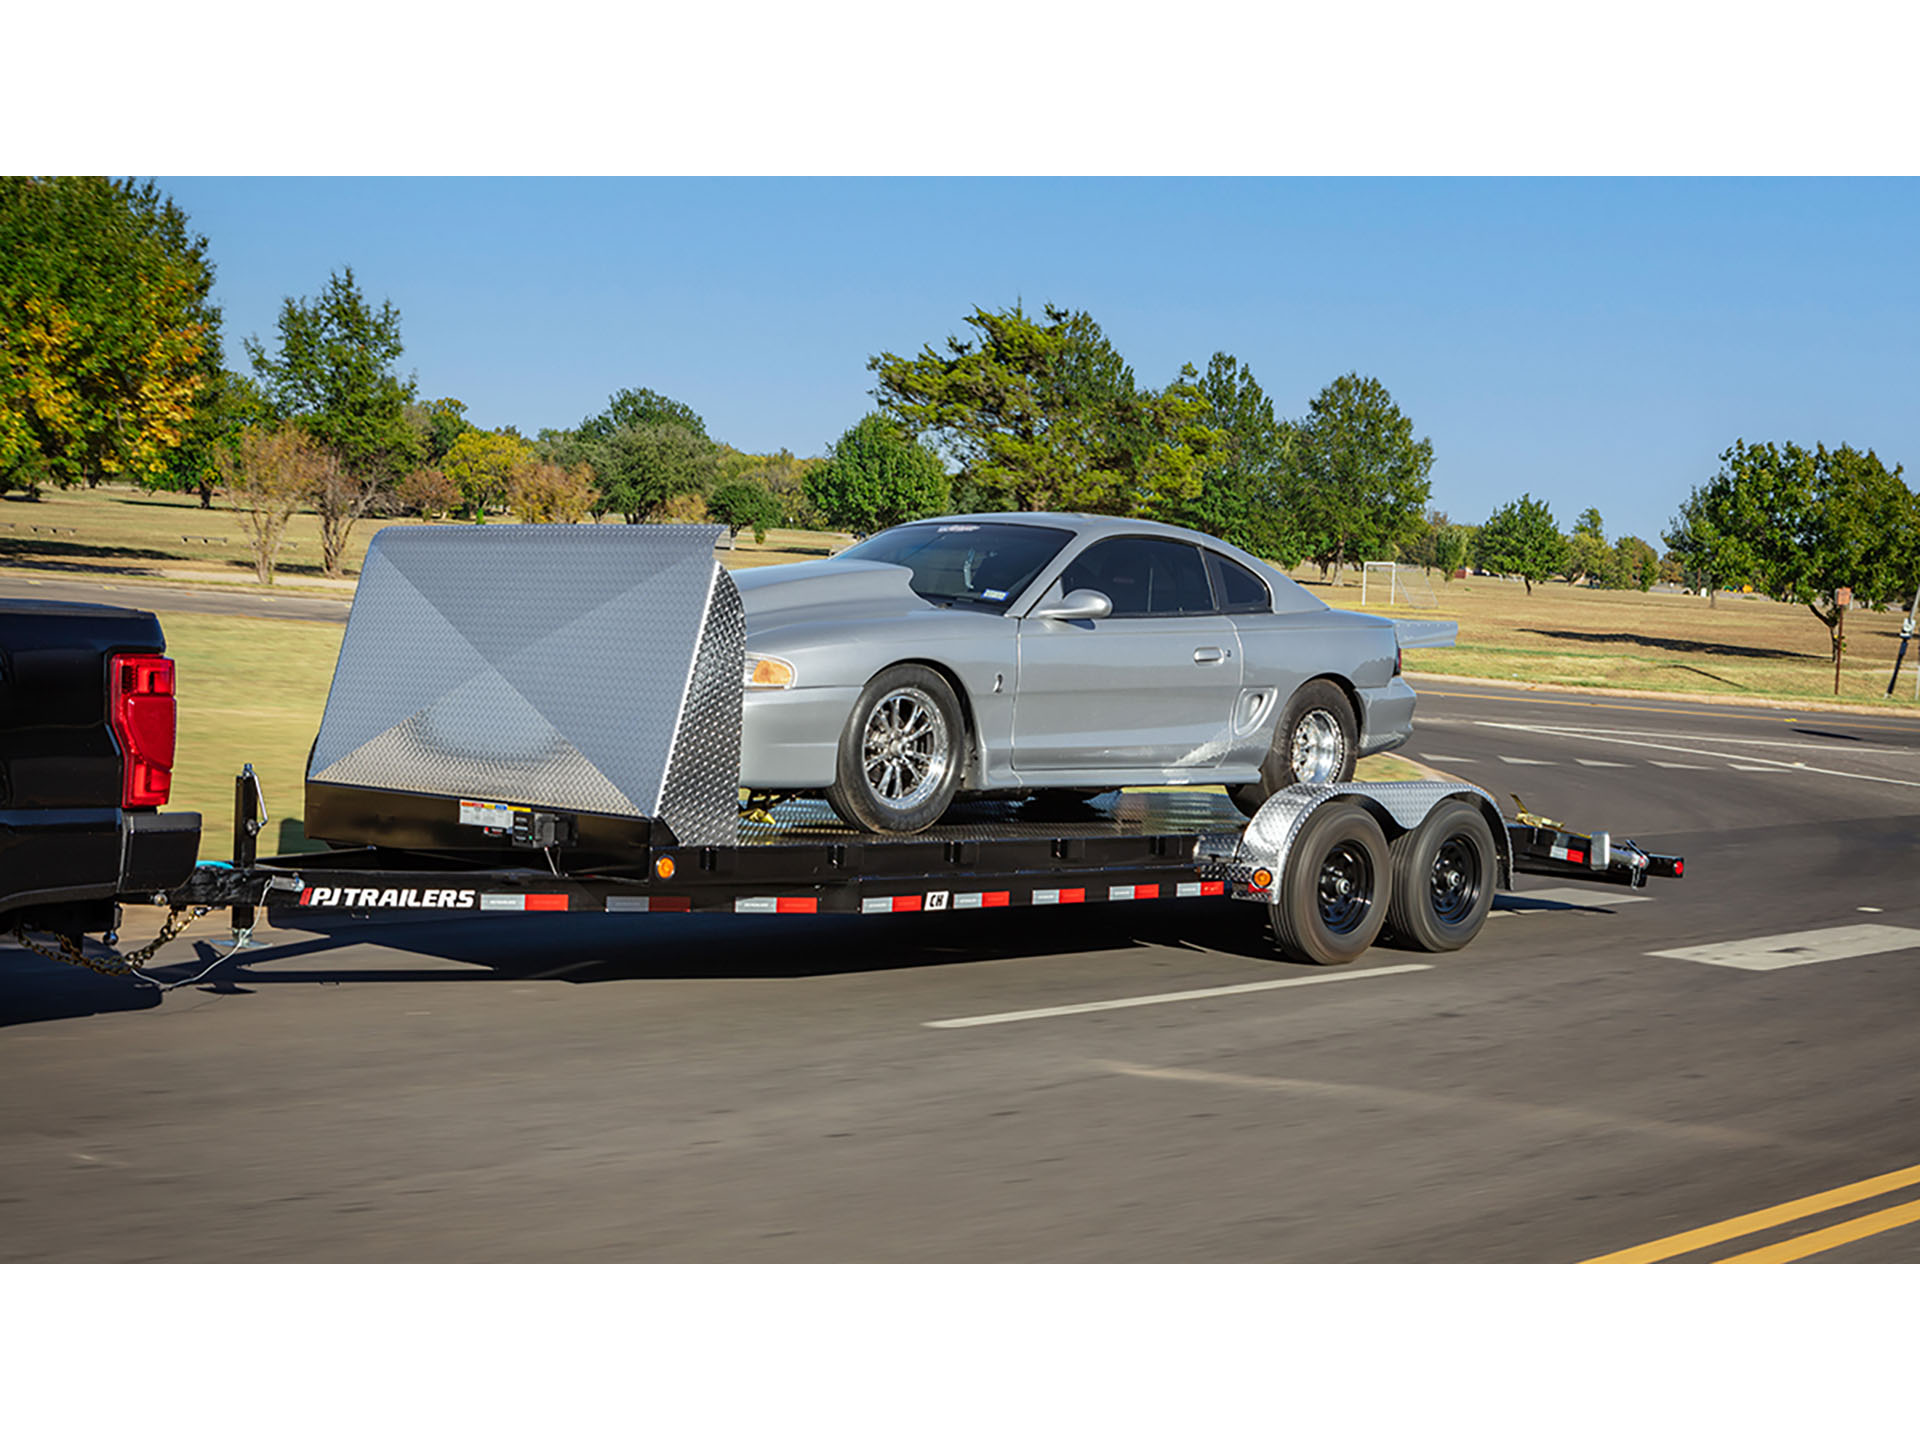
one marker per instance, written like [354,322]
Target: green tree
[628,408]
[222,412]
[1635,563]
[875,476]
[643,467]
[108,338]
[1521,539]
[436,425]
[1360,478]
[1242,495]
[740,504]
[1800,524]
[481,463]
[1451,546]
[331,371]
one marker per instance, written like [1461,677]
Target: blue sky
[1592,341]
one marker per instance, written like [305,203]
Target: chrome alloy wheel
[1318,749]
[905,752]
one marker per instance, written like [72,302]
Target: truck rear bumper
[53,857]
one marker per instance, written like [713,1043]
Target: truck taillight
[1396,657]
[142,713]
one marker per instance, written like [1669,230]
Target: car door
[1151,686]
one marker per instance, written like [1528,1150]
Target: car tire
[1330,904]
[1444,875]
[1316,742]
[901,752]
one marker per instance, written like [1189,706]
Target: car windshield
[980,564]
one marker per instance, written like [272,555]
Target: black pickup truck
[86,759]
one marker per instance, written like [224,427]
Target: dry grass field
[1739,646]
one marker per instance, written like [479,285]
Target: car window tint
[1144,577]
[1241,591]
[980,564]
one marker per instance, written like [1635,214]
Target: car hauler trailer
[543,719]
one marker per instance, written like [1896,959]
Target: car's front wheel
[900,753]
[1315,743]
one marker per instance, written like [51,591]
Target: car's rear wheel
[1315,743]
[900,753]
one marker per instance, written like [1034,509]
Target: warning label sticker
[485,812]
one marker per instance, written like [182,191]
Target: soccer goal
[1393,584]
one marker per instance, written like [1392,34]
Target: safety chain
[68,949]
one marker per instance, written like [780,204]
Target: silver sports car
[1021,652]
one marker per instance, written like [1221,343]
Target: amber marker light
[1262,879]
[763,672]
[663,867]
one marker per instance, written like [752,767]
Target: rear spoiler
[1426,634]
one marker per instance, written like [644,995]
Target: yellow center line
[1761,1220]
[1844,1233]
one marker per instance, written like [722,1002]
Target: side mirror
[1076,605]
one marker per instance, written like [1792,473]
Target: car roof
[1091,525]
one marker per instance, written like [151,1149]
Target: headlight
[763,672]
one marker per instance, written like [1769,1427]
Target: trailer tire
[905,736]
[1331,903]
[1443,878]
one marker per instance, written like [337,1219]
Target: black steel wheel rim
[1346,887]
[1454,887]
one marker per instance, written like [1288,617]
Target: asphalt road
[199,599]
[710,1088]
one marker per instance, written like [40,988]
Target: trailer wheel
[900,754]
[1443,878]
[1332,901]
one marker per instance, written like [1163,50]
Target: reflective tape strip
[1133,892]
[889,904]
[1187,890]
[780,905]
[1059,897]
[642,904]
[1568,853]
[546,902]
[982,899]
[503,902]
[1213,887]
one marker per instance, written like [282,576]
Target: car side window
[1241,591]
[1143,576]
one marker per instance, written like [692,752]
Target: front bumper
[790,739]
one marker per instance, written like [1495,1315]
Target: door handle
[1209,655]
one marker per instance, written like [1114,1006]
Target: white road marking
[1870,910]
[1450,759]
[1782,767]
[1677,765]
[1008,1017]
[1602,764]
[1771,767]
[1516,760]
[1800,947]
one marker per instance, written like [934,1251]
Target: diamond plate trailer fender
[1398,805]
[589,670]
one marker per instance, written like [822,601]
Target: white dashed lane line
[1213,992]
[1519,760]
[1602,764]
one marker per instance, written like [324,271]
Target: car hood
[825,590]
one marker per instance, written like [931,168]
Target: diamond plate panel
[589,668]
